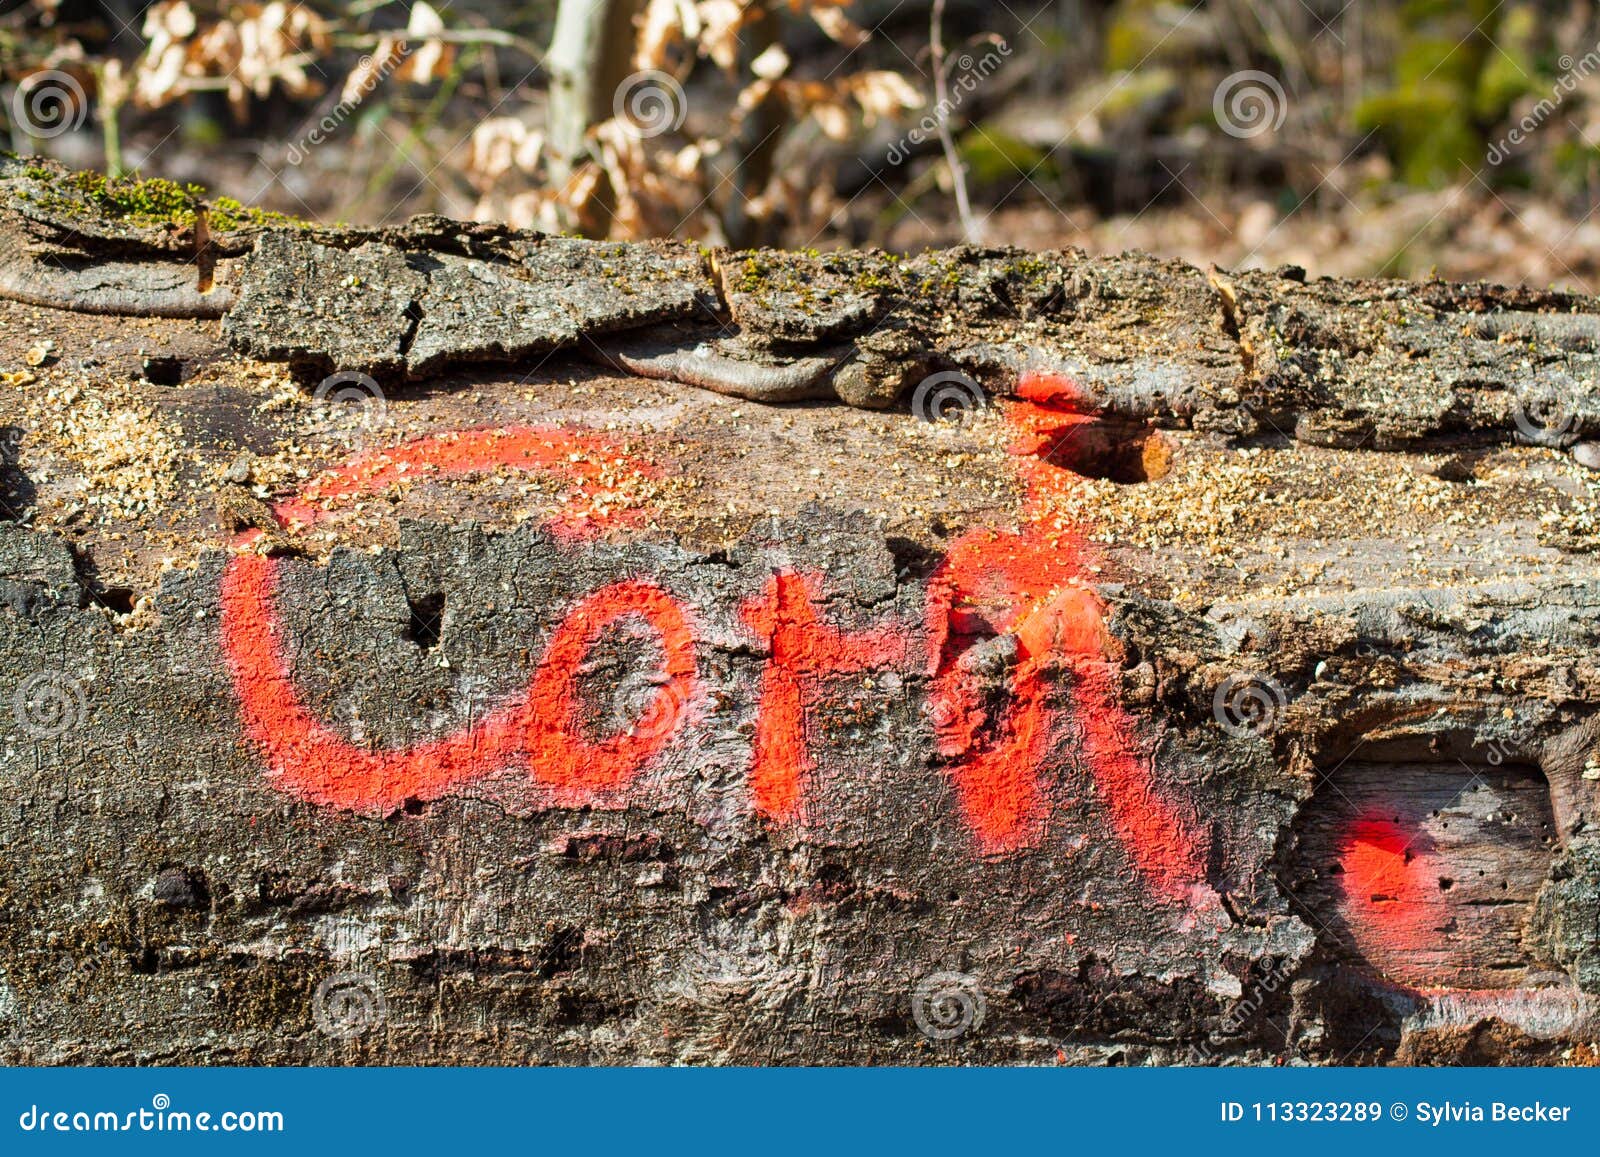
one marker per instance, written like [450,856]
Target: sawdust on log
[1236,507]
[130,470]
[127,460]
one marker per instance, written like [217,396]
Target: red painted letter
[543,726]
[558,751]
[804,651]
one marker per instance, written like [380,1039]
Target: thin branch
[469,36]
[970,229]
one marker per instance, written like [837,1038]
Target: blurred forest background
[1352,137]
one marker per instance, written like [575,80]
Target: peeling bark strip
[1335,364]
[576,755]
[141,289]
[1332,363]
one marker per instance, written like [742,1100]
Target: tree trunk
[1147,666]
[590,58]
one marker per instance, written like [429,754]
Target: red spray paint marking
[804,651]
[994,583]
[579,456]
[1380,871]
[559,752]
[1029,583]
[1391,907]
[544,729]
[1025,583]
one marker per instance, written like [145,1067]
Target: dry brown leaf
[370,70]
[169,20]
[883,94]
[721,21]
[839,27]
[254,48]
[665,24]
[431,59]
[501,144]
[685,164]
[754,93]
[159,71]
[771,64]
[834,120]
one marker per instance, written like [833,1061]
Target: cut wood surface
[458,645]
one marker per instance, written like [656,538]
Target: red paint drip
[543,730]
[1030,584]
[804,651]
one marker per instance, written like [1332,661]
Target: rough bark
[1220,688]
